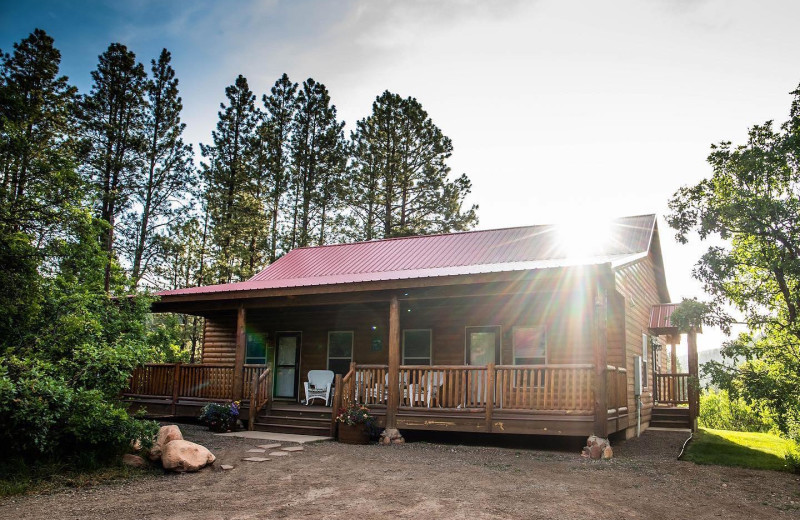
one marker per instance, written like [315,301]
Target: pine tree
[228,175]
[113,119]
[319,154]
[280,107]
[167,174]
[37,145]
[400,163]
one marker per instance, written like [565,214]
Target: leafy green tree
[401,174]
[37,157]
[113,118]
[752,200]
[160,193]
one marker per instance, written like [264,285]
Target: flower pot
[353,434]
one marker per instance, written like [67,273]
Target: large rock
[166,434]
[134,461]
[597,448]
[183,455]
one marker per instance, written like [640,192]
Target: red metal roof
[659,318]
[472,252]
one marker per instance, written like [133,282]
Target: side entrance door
[287,360]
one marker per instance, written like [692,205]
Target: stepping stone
[278,454]
[226,466]
[269,446]
[255,459]
[256,450]
[293,448]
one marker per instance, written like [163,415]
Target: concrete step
[311,422]
[277,427]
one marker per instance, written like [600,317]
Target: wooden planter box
[355,434]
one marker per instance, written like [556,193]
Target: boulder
[597,448]
[134,461]
[181,455]
[608,452]
[166,434]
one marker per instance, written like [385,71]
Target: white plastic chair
[319,385]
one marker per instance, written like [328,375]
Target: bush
[45,416]
[720,412]
[220,417]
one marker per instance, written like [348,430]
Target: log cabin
[528,330]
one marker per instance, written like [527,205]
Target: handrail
[261,395]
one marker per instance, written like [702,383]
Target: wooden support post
[674,368]
[238,364]
[393,400]
[694,380]
[176,381]
[600,363]
[490,394]
[337,402]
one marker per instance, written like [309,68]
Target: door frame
[299,335]
[498,355]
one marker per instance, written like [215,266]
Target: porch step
[297,419]
[670,417]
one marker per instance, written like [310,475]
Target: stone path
[283,452]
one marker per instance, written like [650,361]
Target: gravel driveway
[427,480]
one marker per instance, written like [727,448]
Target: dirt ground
[433,480]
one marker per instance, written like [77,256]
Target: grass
[740,449]
[52,477]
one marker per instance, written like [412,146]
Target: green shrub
[720,412]
[44,416]
[220,417]
[793,458]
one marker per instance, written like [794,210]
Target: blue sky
[557,110]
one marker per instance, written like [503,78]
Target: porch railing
[176,381]
[260,391]
[672,389]
[503,387]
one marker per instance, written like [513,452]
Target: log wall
[219,339]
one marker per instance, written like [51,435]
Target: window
[340,351]
[256,352]
[530,346]
[417,347]
[645,345]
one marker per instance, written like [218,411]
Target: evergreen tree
[37,152]
[228,174]
[167,174]
[113,123]
[40,185]
[319,155]
[400,164]
[280,107]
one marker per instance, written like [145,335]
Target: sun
[580,238]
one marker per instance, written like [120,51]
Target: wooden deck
[516,399]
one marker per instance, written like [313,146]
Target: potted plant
[220,417]
[355,423]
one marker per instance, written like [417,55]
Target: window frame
[352,347]
[265,338]
[430,346]
[498,330]
[514,356]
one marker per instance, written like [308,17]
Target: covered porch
[524,353]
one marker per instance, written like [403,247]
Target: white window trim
[430,344]
[514,343]
[352,346]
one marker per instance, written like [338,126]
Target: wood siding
[638,285]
